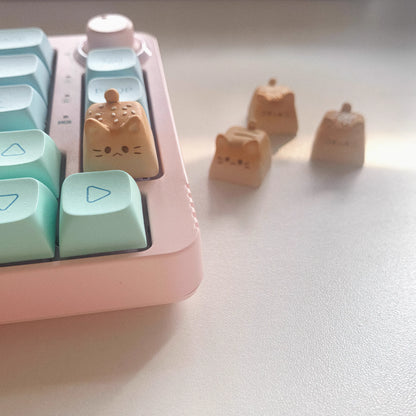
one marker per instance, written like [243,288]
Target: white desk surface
[308,306]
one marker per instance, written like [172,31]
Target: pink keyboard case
[169,271]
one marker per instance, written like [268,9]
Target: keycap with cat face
[340,138]
[117,135]
[100,212]
[272,108]
[242,156]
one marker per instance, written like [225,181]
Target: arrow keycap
[30,153]
[27,220]
[100,212]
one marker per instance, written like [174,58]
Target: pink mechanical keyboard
[168,267]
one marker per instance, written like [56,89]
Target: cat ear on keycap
[133,124]
[221,141]
[94,128]
[252,147]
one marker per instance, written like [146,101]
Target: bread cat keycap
[272,108]
[118,136]
[242,156]
[340,138]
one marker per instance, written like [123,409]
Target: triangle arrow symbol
[14,150]
[94,193]
[6,201]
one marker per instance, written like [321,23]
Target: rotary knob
[110,31]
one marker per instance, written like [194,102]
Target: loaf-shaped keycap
[118,136]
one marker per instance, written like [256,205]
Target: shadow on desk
[87,348]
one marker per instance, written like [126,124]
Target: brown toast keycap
[117,135]
[272,108]
[340,138]
[242,156]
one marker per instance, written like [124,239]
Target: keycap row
[98,212]
[26,59]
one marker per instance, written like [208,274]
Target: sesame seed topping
[113,108]
[116,120]
[100,119]
[124,113]
[101,106]
[128,105]
[113,114]
[133,112]
[124,108]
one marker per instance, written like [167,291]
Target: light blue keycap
[100,212]
[21,108]
[30,153]
[25,69]
[129,89]
[28,212]
[119,62]
[27,40]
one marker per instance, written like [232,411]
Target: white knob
[109,31]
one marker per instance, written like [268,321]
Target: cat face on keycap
[237,150]
[118,136]
[272,108]
[242,156]
[340,137]
[343,128]
[119,143]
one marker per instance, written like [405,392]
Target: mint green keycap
[30,153]
[113,62]
[129,89]
[27,220]
[21,108]
[27,40]
[100,212]
[25,69]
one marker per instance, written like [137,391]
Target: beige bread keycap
[118,136]
[272,108]
[242,156]
[340,138]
